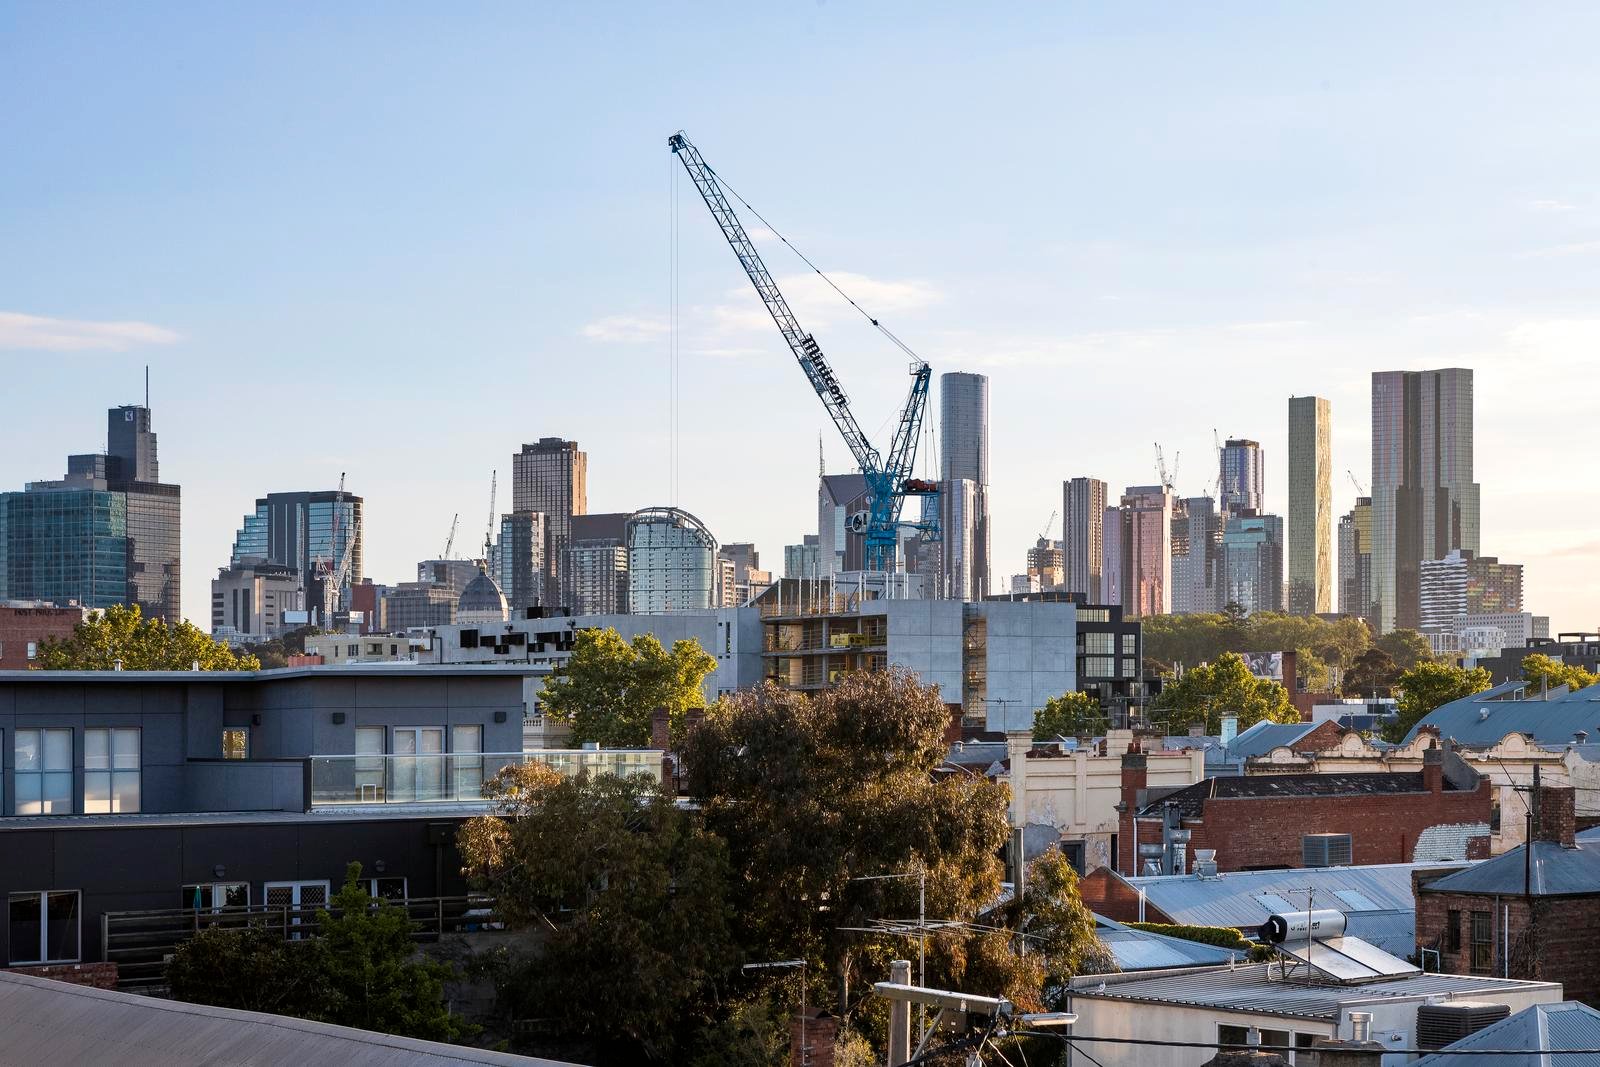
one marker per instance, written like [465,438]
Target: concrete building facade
[1424,499]
[1355,561]
[672,563]
[1310,535]
[249,602]
[1197,573]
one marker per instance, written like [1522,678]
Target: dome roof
[481,601]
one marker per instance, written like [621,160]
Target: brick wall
[1105,894]
[1326,736]
[821,1030]
[1135,775]
[19,626]
[98,975]
[1552,940]
[1255,832]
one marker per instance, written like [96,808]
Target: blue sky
[397,241]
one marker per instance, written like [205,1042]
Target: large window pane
[369,763]
[236,743]
[42,927]
[43,778]
[26,927]
[61,930]
[111,769]
[466,746]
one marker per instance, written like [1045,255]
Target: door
[298,899]
[418,763]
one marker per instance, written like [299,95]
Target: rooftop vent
[1205,862]
[1325,850]
[1447,1022]
[1483,714]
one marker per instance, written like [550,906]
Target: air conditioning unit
[1449,1021]
[1205,862]
[1325,850]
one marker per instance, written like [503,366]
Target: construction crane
[1216,443]
[1168,477]
[1361,490]
[888,479]
[1048,526]
[488,533]
[450,542]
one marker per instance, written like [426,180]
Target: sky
[397,240]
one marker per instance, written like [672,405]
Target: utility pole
[899,1016]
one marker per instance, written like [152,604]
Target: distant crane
[1048,526]
[450,542]
[1216,442]
[1361,490]
[335,568]
[488,533]
[1168,477]
[888,479]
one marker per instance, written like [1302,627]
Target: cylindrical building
[672,563]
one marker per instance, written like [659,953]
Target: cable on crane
[881,328]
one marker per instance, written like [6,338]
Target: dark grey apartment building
[136,791]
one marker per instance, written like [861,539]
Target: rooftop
[1553,871]
[1144,950]
[1482,719]
[331,670]
[54,1022]
[1551,1027]
[1191,799]
[1259,989]
[1265,736]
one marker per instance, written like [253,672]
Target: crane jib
[820,368]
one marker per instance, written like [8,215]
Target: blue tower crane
[889,481]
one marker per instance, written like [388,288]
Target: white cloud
[75,335]
[1551,205]
[626,328]
[1576,248]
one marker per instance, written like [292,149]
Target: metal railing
[140,942]
[454,777]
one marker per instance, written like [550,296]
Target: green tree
[121,633]
[1539,669]
[1430,685]
[609,687]
[357,971]
[811,792]
[1406,647]
[1205,694]
[1058,924]
[1068,715]
[633,894]
[1374,671]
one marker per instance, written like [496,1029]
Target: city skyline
[511,288]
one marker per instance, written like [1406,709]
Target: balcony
[456,777]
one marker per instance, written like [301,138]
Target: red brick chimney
[1557,818]
[1135,773]
[661,730]
[1433,770]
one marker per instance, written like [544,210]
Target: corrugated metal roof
[53,1022]
[1142,950]
[1265,736]
[1260,989]
[1554,871]
[1548,1027]
[1229,899]
[1190,800]
[1549,722]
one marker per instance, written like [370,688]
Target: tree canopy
[1069,715]
[609,687]
[1211,691]
[1406,647]
[121,633]
[1321,646]
[1429,685]
[359,970]
[1373,672]
[1539,669]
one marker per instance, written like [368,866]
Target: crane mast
[889,481]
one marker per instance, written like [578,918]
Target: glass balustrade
[453,778]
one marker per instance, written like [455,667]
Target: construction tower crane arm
[802,344]
[888,482]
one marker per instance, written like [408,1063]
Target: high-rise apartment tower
[1310,534]
[1243,478]
[964,457]
[1083,507]
[552,476]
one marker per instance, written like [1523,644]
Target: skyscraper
[107,533]
[1111,560]
[1252,562]
[308,532]
[521,564]
[597,564]
[1355,561]
[1310,507]
[552,476]
[1196,551]
[1146,551]
[672,563]
[839,496]
[1046,562]
[1243,478]
[1464,583]
[964,441]
[1083,508]
[1424,501]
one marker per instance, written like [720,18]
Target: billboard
[1264,664]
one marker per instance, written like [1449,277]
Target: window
[394,650]
[1452,931]
[1130,644]
[111,769]
[43,927]
[214,896]
[295,898]
[1240,1035]
[1482,944]
[387,889]
[418,763]
[466,746]
[1494,814]
[1100,667]
[44,772]
[369,763]
[1099,643]
[33,650]
[236,742]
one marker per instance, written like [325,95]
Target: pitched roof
[1376,899]
[1145,950]
[1264,736]
[1191,799]
[1554,871]
[54,1022]
[1484,718]
[1549,1027]
[1251,989]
